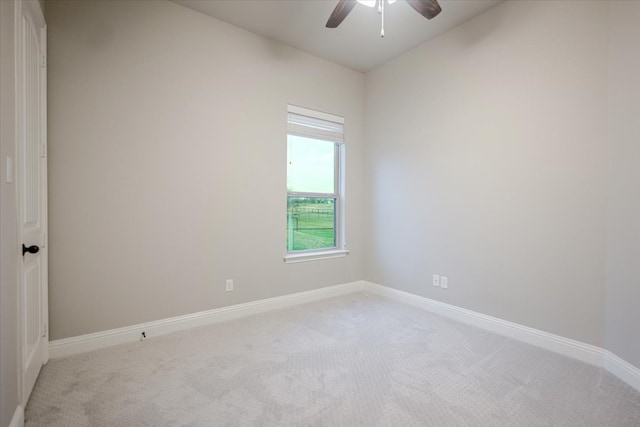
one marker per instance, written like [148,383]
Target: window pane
[310,223]
[310,165]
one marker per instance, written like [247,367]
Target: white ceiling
[356,43]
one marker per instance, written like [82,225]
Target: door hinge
[43,62]
[44,331]
[43,150]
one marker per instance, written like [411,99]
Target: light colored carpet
[356,360]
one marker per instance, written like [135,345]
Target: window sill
[314,256]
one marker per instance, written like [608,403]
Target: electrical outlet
[229,285]
[436,280]
[444,282]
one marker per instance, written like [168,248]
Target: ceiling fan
[427,8]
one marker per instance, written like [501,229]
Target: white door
[32,190]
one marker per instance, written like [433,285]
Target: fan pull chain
[381,11]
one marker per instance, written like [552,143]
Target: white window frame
[330,128]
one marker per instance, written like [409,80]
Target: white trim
[18,418]
[588,353]
[566,346]
[295,109]
[622,369]
[313,256]
[89,342]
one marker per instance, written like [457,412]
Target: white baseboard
[18,418]
[89,342]
[622,369]
[566,346]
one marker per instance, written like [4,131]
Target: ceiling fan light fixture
[427,8]
[368,3]
[372,3]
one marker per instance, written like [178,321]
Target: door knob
[31,249]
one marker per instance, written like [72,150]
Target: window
[315,179]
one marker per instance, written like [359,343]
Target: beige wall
[485,163]
[167,155]
[623,243]
[8,223]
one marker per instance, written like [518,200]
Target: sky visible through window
[310,165]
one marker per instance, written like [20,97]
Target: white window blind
[301,121]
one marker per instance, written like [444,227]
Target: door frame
[33,9]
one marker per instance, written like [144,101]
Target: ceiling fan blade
[340,12]
[427,8]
